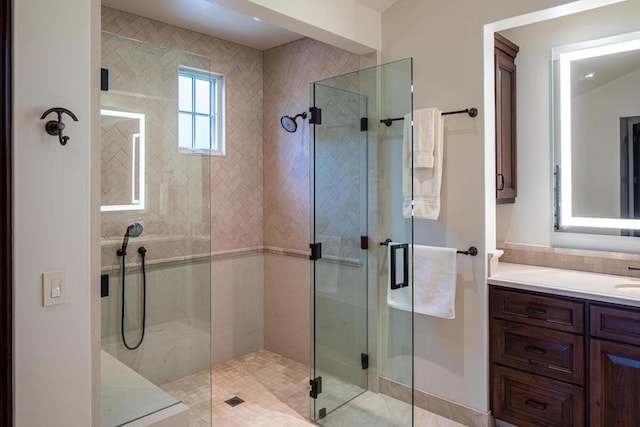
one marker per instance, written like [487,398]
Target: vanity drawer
[549,312]
[525,400]
[555,354]
[616,324]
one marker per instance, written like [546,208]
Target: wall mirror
[596,110]
[123,160]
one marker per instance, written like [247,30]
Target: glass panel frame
[174,299]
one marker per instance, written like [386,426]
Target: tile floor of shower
[275,391]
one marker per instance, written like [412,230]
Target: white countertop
[579,284]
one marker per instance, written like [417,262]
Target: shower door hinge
[364,242]
[104,79]
[104,285]
[364,360]
[316,251]
[316,116]
[364,124]
[316,387]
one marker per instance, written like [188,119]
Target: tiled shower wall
[260,189]
[239,219]
[288,70]
[236,178]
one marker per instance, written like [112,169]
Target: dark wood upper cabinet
[505,80]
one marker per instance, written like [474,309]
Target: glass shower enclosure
[361,234]
[155,223]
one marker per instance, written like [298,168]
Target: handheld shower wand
[134,230]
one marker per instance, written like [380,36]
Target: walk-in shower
[174,335]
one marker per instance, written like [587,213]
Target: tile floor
[275,391]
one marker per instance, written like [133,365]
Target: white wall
[529,219]
[446,41]
[53,346]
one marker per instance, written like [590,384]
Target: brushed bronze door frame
[6,222]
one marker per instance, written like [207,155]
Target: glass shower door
[361,192]
[339,228]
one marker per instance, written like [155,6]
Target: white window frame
[216,110]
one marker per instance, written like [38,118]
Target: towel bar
[473,112]
[472,251]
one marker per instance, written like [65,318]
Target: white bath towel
[426,124]
[434,283]
[426,183]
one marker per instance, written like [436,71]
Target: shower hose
[142,251]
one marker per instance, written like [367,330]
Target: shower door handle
[393,279]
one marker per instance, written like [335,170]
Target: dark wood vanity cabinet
[614,356]
[559,361]
[505,94]
[537,359]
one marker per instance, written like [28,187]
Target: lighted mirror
[122,147]
[597,134]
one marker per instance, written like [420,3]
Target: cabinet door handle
[535,350]
[535,404]
[501,186]
[534,311]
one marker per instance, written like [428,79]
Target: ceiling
[605,69]
[209,18]
[379,5]
[213,19]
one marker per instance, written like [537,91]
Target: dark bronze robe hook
[55,127]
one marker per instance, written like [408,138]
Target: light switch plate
[54,288]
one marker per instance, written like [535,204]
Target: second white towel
[434,282]
[423,164]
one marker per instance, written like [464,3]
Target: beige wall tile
[616,263]
[286,306]
[236,307]
[288,70]
[236,179]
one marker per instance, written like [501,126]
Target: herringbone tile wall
[260,189]
[143,80]
[288,70]
[236,179]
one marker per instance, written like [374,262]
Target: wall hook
[55,127]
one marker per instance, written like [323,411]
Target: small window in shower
[200,111]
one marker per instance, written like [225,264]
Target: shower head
[289,123]
[134,230]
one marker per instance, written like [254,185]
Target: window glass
[185,94]
[203,96]
[185,129]
[203,132]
